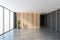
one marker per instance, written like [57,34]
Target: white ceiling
[42,6]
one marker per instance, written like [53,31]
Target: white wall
[31,5]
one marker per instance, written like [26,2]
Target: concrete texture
[28,34]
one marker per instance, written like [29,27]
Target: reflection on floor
[35,34]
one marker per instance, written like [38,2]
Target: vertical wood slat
[30,20]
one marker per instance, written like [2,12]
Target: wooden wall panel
[35,20]
[29,20]
[38,20]
[20,16]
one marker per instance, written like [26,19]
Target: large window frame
[6,20]
[3,20]
[11,20]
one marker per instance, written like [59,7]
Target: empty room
[29,19]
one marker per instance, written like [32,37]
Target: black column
[14,19]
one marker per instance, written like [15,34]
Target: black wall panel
[54,21]
[58,20]
[42,21]
[49,21]
[14,19]
[45,21]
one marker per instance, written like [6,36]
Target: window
[11,20]
[6,20]
[1,20]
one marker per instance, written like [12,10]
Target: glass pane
[6,20]
[11,20]
[1,20]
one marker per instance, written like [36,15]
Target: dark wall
[42,17]
[43,20]
[53,20]
[49,22]
[58,20]
[14,19]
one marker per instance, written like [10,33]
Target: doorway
[43,21]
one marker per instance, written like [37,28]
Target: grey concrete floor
[30,34]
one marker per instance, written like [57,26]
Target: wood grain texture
[29,19]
